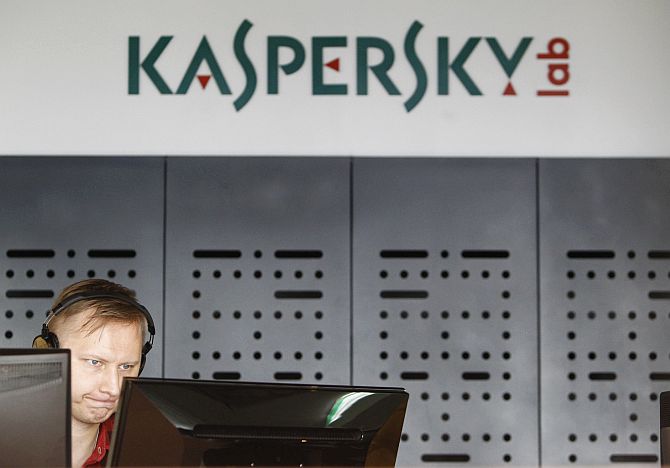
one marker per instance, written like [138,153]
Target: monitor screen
[35,407]
[201,423]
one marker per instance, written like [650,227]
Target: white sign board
[315,77]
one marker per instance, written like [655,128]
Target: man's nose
[111,382]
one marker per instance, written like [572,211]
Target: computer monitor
[205,423]
[35,407]
[665,428]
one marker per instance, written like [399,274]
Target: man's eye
[126,366]
[94,362]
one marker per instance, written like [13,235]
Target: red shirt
[97,458]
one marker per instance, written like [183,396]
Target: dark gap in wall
[298,254]
[31,253]
[633,458]
[298,294]
[538,303]
[217,253]
[226,376]
[602,376]
[288,376]
[351,271]
[445,457]
[490,254]
[29,293]
[110,253]
[476,376]
[164,265]
[414,376]
[403,254]
[590,254]
[398,294]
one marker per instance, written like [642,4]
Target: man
[105,330]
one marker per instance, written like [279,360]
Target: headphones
[47,339]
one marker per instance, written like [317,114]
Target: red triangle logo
[334,64]
[509,90]
[204,79]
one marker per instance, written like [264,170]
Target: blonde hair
[101,310]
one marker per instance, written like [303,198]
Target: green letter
[380,70]
[509,65]
[443,66]
[245,62]
[147,65]
[203,53]
[318,86]
[417,66]
[274,43]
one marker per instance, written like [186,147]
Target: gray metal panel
[477,310]
[70,206]
[602,335]
[224,319]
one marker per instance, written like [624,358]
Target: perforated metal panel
[605,268]
[259,277]
[445,303]
[68,219]
[258,269]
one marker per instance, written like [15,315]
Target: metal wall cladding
[445,303]
[524,304]
[257,279]
[68,219]
[605,282]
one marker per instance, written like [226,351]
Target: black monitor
[665,428]
[205,423]
[35,407]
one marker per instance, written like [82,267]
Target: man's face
[100,361]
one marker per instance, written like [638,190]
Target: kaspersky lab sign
[552,54]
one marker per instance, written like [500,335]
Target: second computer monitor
[198,423]
[35,407]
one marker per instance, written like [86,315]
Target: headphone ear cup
[143,361]
[40,342]
[45,341]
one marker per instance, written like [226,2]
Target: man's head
[105,330]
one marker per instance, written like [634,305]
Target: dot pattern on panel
[614,356]
[227,342]
[409,280]
[33,277]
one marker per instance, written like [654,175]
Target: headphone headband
[100,295]
[47,339]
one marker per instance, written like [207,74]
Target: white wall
[64,69]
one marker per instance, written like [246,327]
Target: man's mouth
[107,404]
